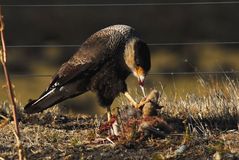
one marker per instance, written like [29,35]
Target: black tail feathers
[46,100]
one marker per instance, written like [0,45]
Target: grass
[204,125]
[216,106]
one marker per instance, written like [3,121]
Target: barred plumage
[101,65]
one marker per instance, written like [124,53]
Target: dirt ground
[54,136]
[155,130]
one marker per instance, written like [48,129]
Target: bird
[101,65]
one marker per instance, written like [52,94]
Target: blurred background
[183,35]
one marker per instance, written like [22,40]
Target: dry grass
[216,107]
[204,125]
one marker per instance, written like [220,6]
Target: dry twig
[9,88]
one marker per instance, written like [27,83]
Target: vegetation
[202,126]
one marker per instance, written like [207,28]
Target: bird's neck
[129,54]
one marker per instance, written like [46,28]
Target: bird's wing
[92,53]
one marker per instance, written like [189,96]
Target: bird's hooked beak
[141,80]
[141,84]
[141,76]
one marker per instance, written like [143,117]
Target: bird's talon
[137,106]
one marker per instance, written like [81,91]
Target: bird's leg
[134,103]
[115,126]
[108,113]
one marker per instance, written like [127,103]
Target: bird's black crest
[142,55]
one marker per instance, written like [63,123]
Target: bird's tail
[47,100]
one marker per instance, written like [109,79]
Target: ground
[192,128]
[50,136]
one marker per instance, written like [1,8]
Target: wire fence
[151,74]
[212,3]
[125,4]
[150,44]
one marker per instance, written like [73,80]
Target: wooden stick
[11,95]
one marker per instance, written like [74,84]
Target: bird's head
[137,58]
[140,74]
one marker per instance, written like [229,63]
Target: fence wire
[125,4]
[150,44]
[151,74]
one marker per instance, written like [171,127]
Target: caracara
[102,64]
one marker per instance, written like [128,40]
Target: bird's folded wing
[89,58]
